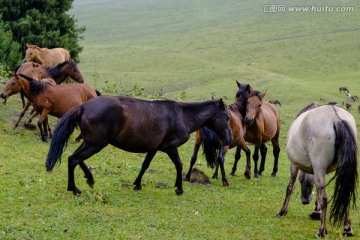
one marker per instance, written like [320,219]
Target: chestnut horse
[37,71]
[138,126]
[55,100]
[263,125]
[45,56]
[322,140]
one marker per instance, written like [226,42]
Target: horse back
[134,125]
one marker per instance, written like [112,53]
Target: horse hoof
[232,174]
[179,192]
[315,215]
[214,177]
[225,184]
[137,188]
[256,176]
[90,183]
[247,175]
[76,192]
[348,232]
[273,175]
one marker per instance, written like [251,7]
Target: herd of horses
[321,139]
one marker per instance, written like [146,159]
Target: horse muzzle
[248,120]
[4,96]
[305,199]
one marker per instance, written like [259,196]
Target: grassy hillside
[203,48]
[188,50]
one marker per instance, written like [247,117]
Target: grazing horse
[343,89]
[58,73]
[275,102]
[138,126]
[263,125]
[350,96]
[51,99]
[213,147]
[322,140]
[348,106]
[45,56]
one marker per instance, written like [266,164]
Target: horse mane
[307,108]
[36,87]
[16,68]
[56,70]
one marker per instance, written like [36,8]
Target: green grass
[185,50]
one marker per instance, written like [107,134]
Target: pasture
[188,51]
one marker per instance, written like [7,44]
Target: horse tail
[60,137]
[209,142]
[346,172]
[97,93]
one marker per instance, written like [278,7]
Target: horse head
[307,184]
[31,54]
[253,106]
[241,97]
[72,70]
[13,86]
[220,122]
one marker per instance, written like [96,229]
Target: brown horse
[36,71]
[45,56]
[212,145]
[275,102]
[263,125]
[138,126]
[343,89]
[55,100]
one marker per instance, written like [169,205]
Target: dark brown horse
[55,100]
[37,71]
[263,125]
[214,150]
[138,126]
[343,89]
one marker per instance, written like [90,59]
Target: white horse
[322,140]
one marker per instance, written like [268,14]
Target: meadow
[187,51]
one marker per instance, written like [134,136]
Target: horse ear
[262,95]
[27,45]
[238,84]
[222,104]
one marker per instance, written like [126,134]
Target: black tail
[346,173]
[211,145]
[62,132]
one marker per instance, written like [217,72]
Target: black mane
[307,108]
[36,87]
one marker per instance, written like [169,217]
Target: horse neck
[57,74]
[197,114]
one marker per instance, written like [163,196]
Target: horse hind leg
[237,158]
[84,152]
[289,190]
[276,152]
[347,231]
[263,151]
[256,158]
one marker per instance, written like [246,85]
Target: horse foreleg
[276,152]
[149,156]
[81,154]
[263,151]
[237,158]
[289,190]
[221,160]
[256,158]
[247,173]
[194,156]
[174,156]
[22,113]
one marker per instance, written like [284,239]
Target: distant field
[186,50]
